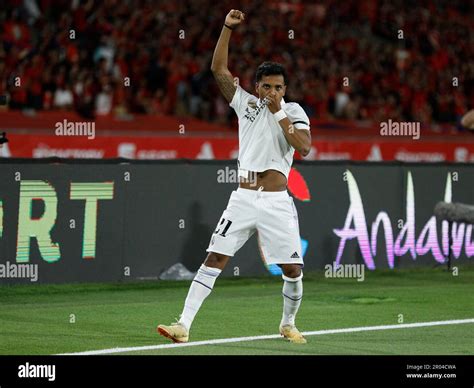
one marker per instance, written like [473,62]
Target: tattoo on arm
[226,85]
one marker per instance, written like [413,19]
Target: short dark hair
[271,68]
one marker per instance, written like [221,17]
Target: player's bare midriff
[270,180]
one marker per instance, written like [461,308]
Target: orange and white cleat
[175,332]
[292,334]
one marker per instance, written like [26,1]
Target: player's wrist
[280,115]
[229,27]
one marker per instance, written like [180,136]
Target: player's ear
[284,90]
[256,86]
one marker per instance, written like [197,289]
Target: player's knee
[291,270]
[216,260]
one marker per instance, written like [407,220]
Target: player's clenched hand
[273,103]
[234,18]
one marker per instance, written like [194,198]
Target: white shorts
[272,214]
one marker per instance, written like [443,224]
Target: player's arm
[219,68]
[299,139]
[468,120]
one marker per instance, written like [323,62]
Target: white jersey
[262,143]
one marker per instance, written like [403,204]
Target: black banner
[366,371]
[99,221]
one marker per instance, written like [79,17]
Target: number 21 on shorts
[226,227]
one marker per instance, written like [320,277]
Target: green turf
[36,319]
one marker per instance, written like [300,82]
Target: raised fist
[234,18]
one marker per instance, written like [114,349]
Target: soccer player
[269,132]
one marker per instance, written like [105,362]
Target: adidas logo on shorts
[295,255]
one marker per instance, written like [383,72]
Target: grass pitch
[52,319]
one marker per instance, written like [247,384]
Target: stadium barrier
[169,146]
[121,220]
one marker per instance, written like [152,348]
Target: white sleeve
[297,116]
[240,99]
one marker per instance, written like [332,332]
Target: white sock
[292,294]
[200,289]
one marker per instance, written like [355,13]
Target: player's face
[271,84]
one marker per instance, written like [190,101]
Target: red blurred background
[140,71]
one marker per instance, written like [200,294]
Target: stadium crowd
[368,60]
